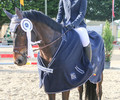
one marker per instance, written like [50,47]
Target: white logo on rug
[73,76]
[79,70]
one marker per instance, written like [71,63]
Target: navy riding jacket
[72,11]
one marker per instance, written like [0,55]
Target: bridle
[40,48]
[16,49]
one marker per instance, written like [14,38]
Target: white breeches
[83,35]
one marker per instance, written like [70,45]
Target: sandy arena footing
[22,83]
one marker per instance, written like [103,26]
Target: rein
[16,49]
[40,48]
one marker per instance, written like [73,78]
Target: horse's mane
[40,17]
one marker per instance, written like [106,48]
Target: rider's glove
[69,26]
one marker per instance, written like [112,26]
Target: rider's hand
[69,26]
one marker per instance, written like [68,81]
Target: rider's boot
[88,51]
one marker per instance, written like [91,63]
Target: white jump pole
[7,63]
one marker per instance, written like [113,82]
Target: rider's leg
[85,41]
[88,51]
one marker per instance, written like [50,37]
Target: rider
[72,13]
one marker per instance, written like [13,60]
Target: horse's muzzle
[20,61]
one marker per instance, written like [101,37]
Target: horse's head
[20,38]
[44,29]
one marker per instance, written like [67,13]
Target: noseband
[16,50]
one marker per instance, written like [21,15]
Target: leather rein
[16,49]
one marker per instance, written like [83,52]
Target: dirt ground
[22,83]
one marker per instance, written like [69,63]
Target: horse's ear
[19,13]
[8,14]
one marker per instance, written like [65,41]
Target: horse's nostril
[15,62]
[19,61]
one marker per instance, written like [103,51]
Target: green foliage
[53,8]
[108,41]
[96,9]
[102,10]
[39,5]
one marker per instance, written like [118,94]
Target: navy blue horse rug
[70,67]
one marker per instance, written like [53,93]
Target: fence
[97,28]
[4,56]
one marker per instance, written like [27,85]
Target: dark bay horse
[47,30]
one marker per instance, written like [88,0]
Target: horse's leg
[99,89]
[51,96]
[65,95]
[90,92]
[80,89]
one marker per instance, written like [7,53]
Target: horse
[50,33]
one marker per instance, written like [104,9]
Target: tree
[97,9]
[108,41]
[102,10]
[39,5]
[53,8]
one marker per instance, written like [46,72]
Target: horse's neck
[48,35]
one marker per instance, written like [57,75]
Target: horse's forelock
[15,21]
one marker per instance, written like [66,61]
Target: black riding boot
[88,51]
